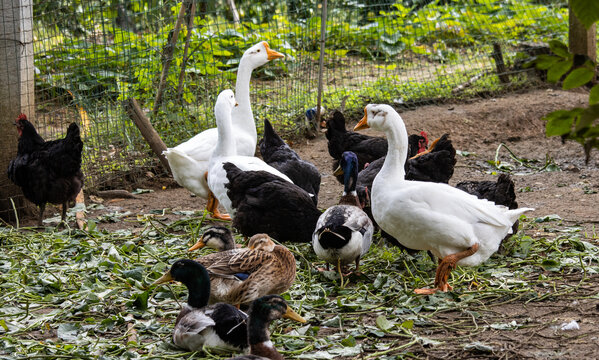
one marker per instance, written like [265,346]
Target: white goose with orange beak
[456,227]
[189,161]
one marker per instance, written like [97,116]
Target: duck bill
[271,53]
[362,124]
[200,244]
[290,314]
[338,171]
[163,279]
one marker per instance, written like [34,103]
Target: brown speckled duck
[239,276]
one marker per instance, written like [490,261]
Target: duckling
[456,227]
[199,324]
[344,232]
[218,238]
[240,276]
[262,312]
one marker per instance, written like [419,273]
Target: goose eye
[258,50]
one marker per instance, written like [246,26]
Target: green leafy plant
[581,123]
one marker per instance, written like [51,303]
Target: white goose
[225,152]
[189,160]
[458,228]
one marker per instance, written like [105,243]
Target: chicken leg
[447,264]
[63,215]
[212,206]
[40,220]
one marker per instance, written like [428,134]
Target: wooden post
[323,33]
[500,64]
[16,91]
[191,16]
[582,40]
[147,130]
[167,57]
[231,4]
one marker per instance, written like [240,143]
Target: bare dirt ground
[477,128]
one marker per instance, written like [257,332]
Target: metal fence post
[17,90]
[323,31]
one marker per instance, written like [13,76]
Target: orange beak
[271,53]
[362,124]
[200,244]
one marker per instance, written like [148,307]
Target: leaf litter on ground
[84,294]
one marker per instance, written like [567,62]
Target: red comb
[22,117]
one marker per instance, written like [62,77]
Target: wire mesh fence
[91,56]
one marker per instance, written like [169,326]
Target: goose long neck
[225,145]
[397,138]
[242,114]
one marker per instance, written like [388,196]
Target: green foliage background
[403,52]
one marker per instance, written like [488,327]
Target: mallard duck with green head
[198,324]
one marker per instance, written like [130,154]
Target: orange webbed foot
[425,291]
[220,216]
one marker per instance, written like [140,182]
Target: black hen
[265,203]
[367,148]
[433,165]
[501,192]
[280,156]
[47,171]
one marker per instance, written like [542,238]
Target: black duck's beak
[290,314]
[164,278]
[338,171]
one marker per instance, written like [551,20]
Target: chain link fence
[91,56]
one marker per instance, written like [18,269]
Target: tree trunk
[16,93]
[581,40]
[233,8]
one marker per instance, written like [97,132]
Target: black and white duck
[220,325]
[219,238]
[343,232]
[262,312]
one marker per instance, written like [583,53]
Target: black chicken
[47,171]
[367,148]
[501,192]
[280,156]
[433,165]
[265,203]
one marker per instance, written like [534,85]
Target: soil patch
[476,129]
